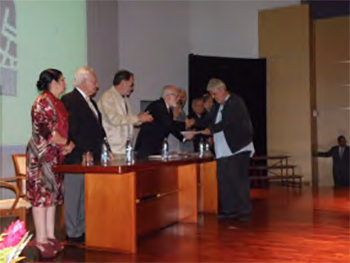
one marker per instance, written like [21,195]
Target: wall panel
[332,86]
[284,39]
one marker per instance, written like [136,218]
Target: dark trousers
[233,184]
[74,204]
[341,176]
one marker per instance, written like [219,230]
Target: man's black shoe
[77,240]
[227,216]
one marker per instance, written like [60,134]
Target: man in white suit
[117,117]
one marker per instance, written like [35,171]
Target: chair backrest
[15,207]
[19,162]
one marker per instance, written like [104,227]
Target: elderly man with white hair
[180,115]
[86,131]
[233,142]
[152,134]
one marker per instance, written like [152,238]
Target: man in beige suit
[117,117]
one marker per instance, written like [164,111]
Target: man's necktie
[92,107]
[126,106]
[341,152]
[129,126]
[170,110]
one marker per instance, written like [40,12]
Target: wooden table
[123,202]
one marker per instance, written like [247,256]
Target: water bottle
[165,149]
[129,153]
[207,151]
[104,155]
[201,148]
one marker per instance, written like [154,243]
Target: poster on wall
[8,48]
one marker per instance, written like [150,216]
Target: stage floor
[287,225]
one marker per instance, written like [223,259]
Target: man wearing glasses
[152,134]
[117,117]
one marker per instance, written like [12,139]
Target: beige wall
[284,39]
[332,87]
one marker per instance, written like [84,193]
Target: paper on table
[185,133]
[159,157]
[155,156]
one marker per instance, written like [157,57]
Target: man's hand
[111,156]
[68,148]
[58,138]
[189,137]
[206,132]
[88,158]
[145,117]
[189,123]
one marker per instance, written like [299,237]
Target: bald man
[151,135]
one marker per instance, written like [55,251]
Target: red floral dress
[44,188]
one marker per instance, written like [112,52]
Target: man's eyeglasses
[174,94]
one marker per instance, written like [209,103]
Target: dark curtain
[245,77]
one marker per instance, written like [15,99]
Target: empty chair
[19,162]
[16,206]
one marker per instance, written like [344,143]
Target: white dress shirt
[88,101]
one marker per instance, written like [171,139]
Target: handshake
[189,123]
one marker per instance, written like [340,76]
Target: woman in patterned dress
[47,147]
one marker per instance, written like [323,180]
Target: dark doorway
[245,77]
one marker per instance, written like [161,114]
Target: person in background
[47,147]
[150,138]
[198,114]
[233,142]
[341,162]
[117,117]
[208,102]
[179,115]
[86,131]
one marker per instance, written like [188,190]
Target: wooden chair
[19,162]
[15,206]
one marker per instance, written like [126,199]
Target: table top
[120,166]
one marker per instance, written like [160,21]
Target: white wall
[155,37]
[228,28]
[153,44]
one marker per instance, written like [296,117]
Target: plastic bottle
[129,152]
[201,148]
[104,155]
[165,149]
[207,151]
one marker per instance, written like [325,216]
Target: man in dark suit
[199,115]
[341,162]
[150,138]
[233,142]
[86,131]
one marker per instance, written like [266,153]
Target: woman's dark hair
[122,75]
[46,77]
